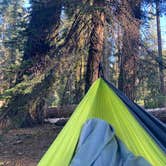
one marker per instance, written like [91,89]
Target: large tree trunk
[41,33]
[96,43]
[128,67]
[27,103]
[162,86]
[130,48]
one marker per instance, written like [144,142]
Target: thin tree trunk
[106,56]
[162,87]
[96,44]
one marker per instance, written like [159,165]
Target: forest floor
[25,147]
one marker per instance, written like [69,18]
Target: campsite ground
[24,147]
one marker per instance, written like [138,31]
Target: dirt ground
[25,147]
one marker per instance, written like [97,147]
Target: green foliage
[154,101]
[52,99]
[27,100]
[13,22]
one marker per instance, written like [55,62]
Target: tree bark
[130,47]
[96,44]
[161,72]
[106,56]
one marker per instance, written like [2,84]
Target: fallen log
[60,111]
[57,121]
[159,113]
[66,111]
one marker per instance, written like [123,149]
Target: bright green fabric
[101,102]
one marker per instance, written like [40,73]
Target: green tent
[105,103]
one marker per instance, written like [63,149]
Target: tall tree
[96,42]
[162,86]
[13,24]
[130,20]
[41,33]
[27,99]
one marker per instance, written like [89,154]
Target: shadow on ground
[25,147]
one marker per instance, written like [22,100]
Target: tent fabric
[151,124]
[98,146]
[102,102]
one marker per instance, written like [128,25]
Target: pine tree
[26,103]
[130,47]
[96,43]
[160,56]
[13,24]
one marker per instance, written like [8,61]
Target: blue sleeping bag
[98,146]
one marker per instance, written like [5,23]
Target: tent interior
[141,133]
